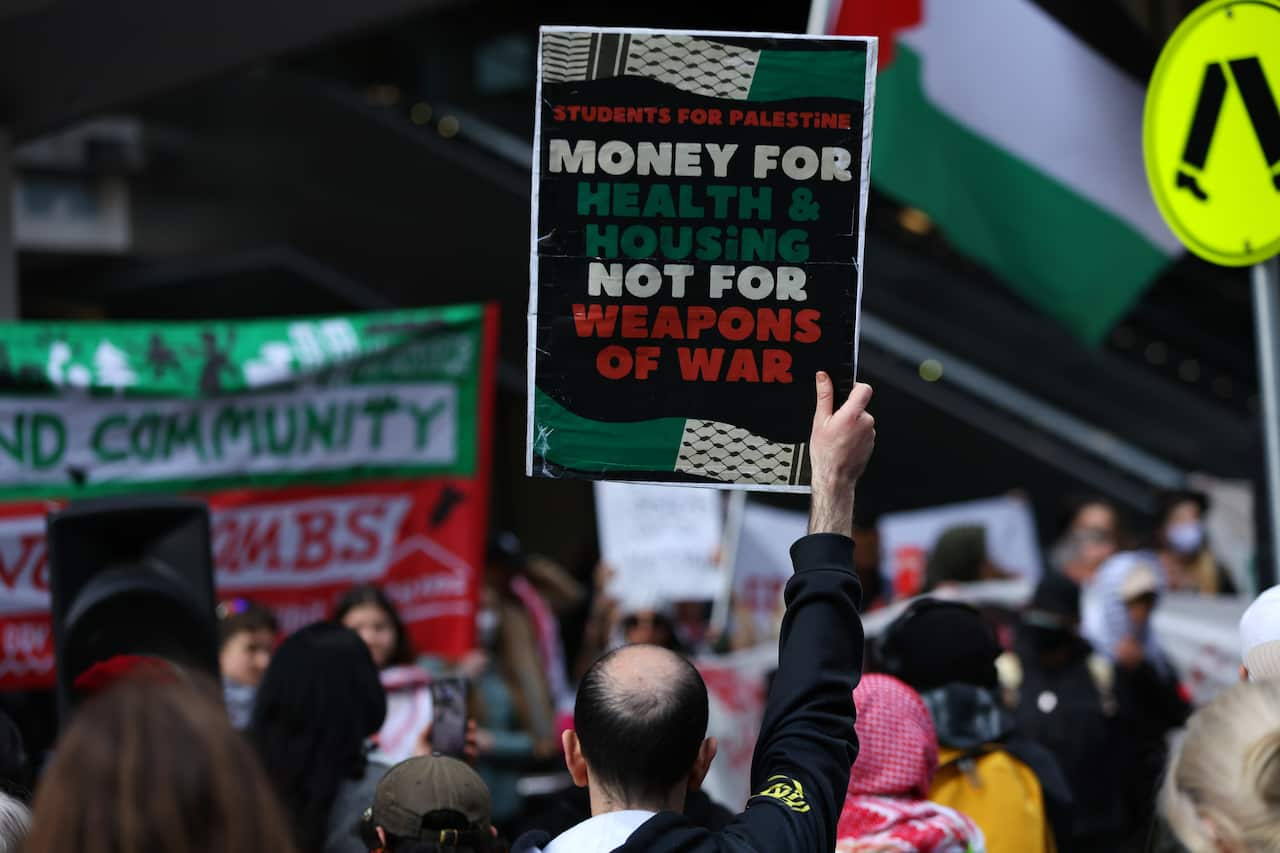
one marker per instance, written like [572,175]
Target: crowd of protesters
[1048,731]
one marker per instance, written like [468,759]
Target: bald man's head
[641,716]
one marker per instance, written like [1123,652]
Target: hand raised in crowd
[483,739]
[473,664]
[1129,653]
[606,612]
[470,748]
[839,447]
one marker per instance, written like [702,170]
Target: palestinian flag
[1022,141]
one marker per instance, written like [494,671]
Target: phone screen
[449,716]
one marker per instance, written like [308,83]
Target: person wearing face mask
[1091,532]
[511,698]
[1183,546]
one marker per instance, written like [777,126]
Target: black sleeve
[800,770]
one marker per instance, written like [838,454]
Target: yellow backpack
[999,793]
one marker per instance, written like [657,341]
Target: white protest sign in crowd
[906,538]
[763,565]
[660,541]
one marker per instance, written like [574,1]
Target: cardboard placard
[697,234]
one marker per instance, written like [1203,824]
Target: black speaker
[131,576]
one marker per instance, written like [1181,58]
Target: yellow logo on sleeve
[787,791]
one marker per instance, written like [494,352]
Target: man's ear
[702,764]
[1244,672]
[573,758]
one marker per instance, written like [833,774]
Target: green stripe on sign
[784,74]
[1055,248]
[579,444]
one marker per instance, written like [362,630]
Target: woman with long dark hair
[367,611]
[319,703]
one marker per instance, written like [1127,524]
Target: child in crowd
[246,638]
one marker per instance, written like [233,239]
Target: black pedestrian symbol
[217,362]
[161,358]
[1259,103]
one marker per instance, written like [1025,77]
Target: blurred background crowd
[245,160]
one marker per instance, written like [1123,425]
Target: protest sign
[699,204]
[906,538]
[660,541]
[762,565]
[1201,637]
[736,697]
[331,451]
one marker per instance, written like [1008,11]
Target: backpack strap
[1103,674]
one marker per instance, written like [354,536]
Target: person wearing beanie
[431,804]
[1089,712]
[1011,786]
[1260,637]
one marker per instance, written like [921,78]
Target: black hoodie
[807,744]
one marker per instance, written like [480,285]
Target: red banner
[296,549]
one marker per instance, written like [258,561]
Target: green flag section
[575,442]
[1025,146]
[114,408]
[783,74]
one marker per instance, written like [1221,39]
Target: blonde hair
[1222,789]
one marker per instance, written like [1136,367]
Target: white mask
[1185,537]
[487,627]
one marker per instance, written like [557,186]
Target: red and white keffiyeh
[883,824]
[885,808]
[410,709]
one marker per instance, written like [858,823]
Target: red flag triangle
[881,18]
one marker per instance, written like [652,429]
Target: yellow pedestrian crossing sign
[1211,131]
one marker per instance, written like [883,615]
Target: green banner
[112,408]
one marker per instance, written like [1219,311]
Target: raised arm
[807,744]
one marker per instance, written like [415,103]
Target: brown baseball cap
[422,797]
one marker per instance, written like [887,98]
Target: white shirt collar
[600,834]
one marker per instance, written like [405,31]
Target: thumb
[826,396]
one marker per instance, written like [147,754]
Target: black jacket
[1064,709]
[807,745]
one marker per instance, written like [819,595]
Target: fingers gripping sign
[839,447]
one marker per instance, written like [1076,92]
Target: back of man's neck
[603,803]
